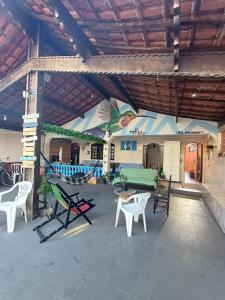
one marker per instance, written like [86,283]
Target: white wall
[10,145]
[136,157]
[215,171]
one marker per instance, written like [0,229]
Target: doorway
[193,162]
[75,154]
[153,156]
[60,150]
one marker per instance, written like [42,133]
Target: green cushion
[138,176]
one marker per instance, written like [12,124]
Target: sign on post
[30,124]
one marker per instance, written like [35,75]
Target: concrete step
[187,192]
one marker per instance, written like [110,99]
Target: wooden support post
[176,18]
[34,88]
[177,98]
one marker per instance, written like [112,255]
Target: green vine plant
[48,128]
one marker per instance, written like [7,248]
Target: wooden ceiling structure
[166,56]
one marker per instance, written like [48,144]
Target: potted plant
[114,166]
[44,190]
[123,183]
[161,173]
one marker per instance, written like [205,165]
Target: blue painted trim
[30,125]
[204,124]
[166,120]
[69,170]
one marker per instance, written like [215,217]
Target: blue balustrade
[69,170]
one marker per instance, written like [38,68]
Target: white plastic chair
[133,210]
[9,207]
[17,169]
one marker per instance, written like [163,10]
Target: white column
[106,157]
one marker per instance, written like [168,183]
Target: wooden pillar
[34,89]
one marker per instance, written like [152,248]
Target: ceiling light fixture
[194,95]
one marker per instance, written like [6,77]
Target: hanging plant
[48,128]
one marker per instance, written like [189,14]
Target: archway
[60,150]
[193,162]
[154,156]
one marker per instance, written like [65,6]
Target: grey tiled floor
[182,257]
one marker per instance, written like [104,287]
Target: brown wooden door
[199,162]
[75,154]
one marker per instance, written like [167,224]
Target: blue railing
[69,170]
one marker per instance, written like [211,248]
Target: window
[128,145]
[96,151]
[112,152]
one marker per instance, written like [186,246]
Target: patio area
[181,257]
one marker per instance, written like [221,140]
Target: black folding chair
[161,197]
[77,208]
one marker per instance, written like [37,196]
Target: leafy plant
[123,178]
[161,174]
[44,187]
[114,166]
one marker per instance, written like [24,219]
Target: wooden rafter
[77,37]
[140,16]
[62,106]
[194,12]
[95,83]
[152,25]
[151,65]
[166,7]
[176,44]
[117,18]
[61,50]
[93,9]
[23,21]
[220,34]
[82,40]
[120,87]
[19,15]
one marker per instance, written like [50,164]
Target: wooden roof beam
[152,25]
[209,66]
[117,18]
[194,12]
[77,37]
[121,88]
[176,44]
[68,109]
[23,20]
[220,34]
[98,87]
[62,50]
[84,45]
[166,7]
[140,16]
[93,9]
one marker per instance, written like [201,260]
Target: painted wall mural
[119,119]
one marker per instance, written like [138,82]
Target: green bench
[138,177]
